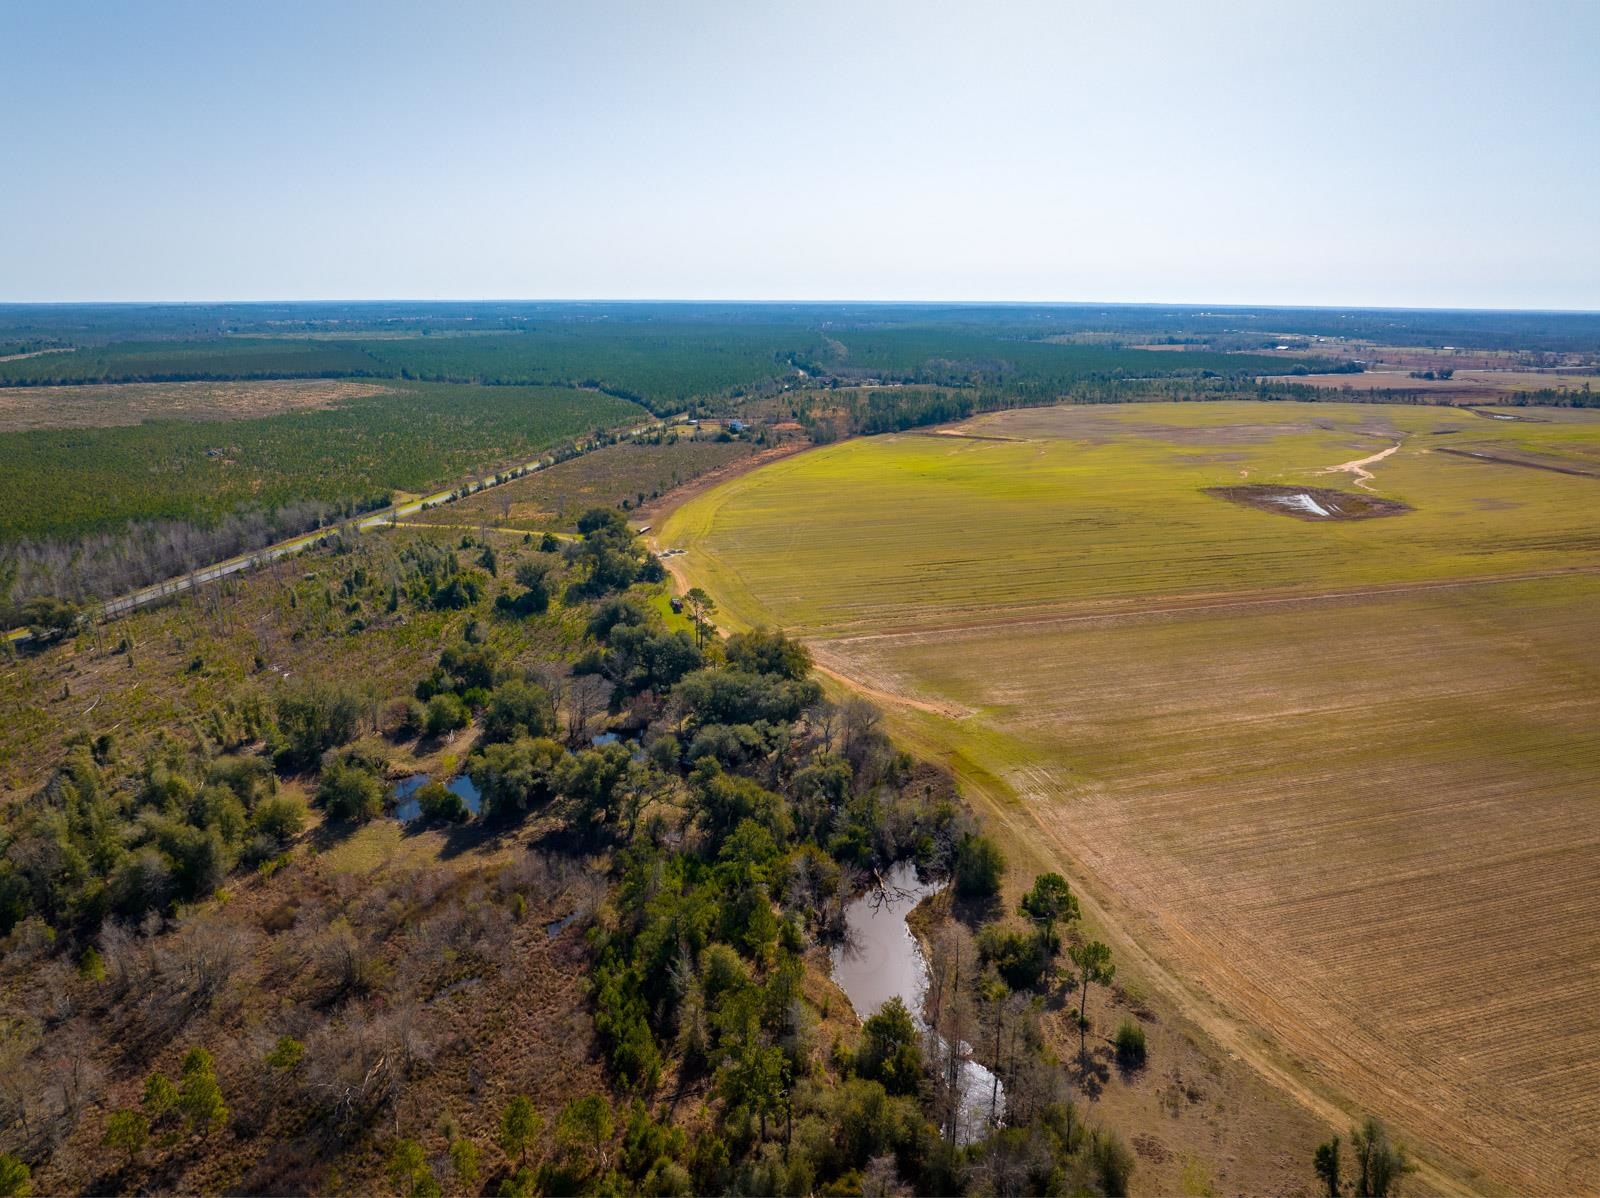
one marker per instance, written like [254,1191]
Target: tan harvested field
[1337,783]
[1465,386]
[112,405]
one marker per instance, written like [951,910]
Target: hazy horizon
[713,301]
[1418,155]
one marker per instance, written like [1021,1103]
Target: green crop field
[1335,777]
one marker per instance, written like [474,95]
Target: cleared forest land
[1337,777]
[630,471]
[122,404]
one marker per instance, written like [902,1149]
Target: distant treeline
[827,416]
[1549,397]
[953,358]
[663,369]
[95,324]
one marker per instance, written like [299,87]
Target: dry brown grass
[556,497]
[485,1004]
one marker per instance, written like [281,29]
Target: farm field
[1464,386]
[1335,777]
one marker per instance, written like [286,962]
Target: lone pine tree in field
[700,606]
[1050,902]
[1094,966]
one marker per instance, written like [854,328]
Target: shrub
[891,1049]
[439,802]
[1019,957]
[1112,1163]
[446,713]
[281,818]
[350,792]
[141,882]
[286,1054]
[15,1177]
[411,719]
[312,720]
[979,868]
[1130,1044]
[518,709]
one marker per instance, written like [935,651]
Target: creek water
[880,959]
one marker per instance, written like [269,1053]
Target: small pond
[880,959]
[406,808]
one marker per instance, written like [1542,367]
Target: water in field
[880,959]
[407,808]
[1303,503]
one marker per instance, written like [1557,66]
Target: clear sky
[1394,153]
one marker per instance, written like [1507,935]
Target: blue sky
[1442,154]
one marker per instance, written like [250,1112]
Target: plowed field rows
[1340,778]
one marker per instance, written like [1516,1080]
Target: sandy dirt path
[950,711]
[1358,468]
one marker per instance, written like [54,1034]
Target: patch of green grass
[1110,503]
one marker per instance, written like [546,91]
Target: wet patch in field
[1309,503]
[1505,416]
[1528,461]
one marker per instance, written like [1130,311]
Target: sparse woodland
[614,979]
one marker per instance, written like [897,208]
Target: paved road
[385,518]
